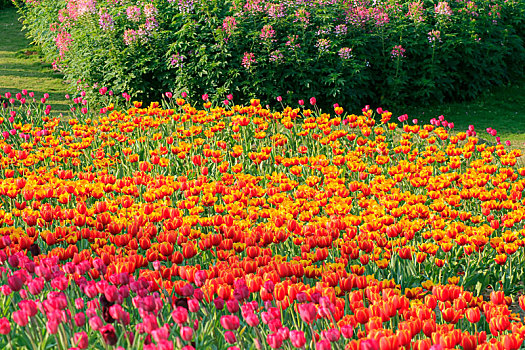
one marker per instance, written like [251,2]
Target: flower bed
[238,226]
[354,52]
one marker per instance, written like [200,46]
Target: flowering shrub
[356,52]
[234,225]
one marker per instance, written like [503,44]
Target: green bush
[387,53]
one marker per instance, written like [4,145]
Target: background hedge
[353,52]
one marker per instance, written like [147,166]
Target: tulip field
[226,226]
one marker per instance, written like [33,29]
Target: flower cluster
[248,60]
[434,36]
[236,225]
[398,51]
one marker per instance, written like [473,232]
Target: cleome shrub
[355,52]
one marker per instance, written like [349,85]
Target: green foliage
[333,51]
[5,4]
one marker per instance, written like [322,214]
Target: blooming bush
[234,225]
[354,52]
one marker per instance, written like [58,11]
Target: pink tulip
[165,345]
[347,331]
[308,312]
[297,338]
[29,307]
[5,326]
[187,290]
[60,283]
[95,323]
[323,345]
[81,340]
[252,320]
[229,336]
[108,334]
[230,322]
[150,323]
[232,305]
[116,311]
[275,325]
[36,286]
[284,332]
[52,325]
[20,318]
[332,335]
[5,290]
[180,315]
[186,333]
[193,305]
[369,344]
[79,303]
[274,340]
[161,333]
[219,303]
[111,293]
[80,319]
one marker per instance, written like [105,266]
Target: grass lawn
[502,109]
[21,68]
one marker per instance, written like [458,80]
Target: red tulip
[497,298]
[15,283]
[108,334]
[308,312]
[473,315]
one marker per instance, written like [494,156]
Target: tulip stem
[313,335]
[241,347]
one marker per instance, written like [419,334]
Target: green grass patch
[22,68]
[502,109]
